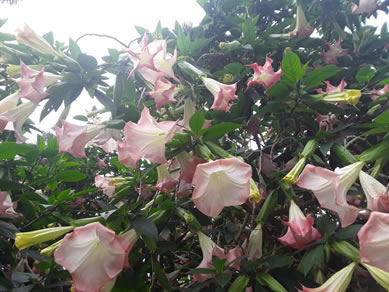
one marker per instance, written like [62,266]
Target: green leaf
[291,67]
[145,227]
[220,130]
[8,150]
[8,230]
[311,258]
[239,284]
[7,185]
[81,118]
[218,263]
[383,82]
[74,49]
[234,68]
[196,122]
[277,261]
[350,232]
[6,37]
[124,90]
[365,74]
[70,176]
[223,279]
[201,271]
[383,118]
[318,75]
[107,102]
[278,90]
[266,279]
[89,63]
[162,279]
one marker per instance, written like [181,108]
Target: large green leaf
[70,176]
[318,75]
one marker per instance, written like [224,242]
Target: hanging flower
[6,104]
[350,96]
[300,228]
[73,138]
[94,255]
[188,163]
[364,7]
[338,281]
[145,140]
[221,183]
[374,241]
[330,188]
[264,74]
[163,93]
[106,183]
[6,206]
[377,93]
[303,29]
[376,193]
[30,38]
[32,83]
[107,139]
[166,181]
[222,93]
[334,51]
[254,248]
[333,89]
[326,122]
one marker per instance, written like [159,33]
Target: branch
[103,36]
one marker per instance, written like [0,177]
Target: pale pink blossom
[303,29]
[6,206]
[330,188]
[107,139]
[209,250]
[254,247]
[73,138]
[264,74]
[101,163]
[32,83]
[338,281]
[164,62]
[222,94]
[326,122]
[166,181]
[334,51]
[374,241]
[266,164]
[106,183]
[30,38]
[364,7]
[189,110]
[6,104]
[188,163]
[333,89]
[377,93]
[300,228]
[163,93]
[94,255]
[145,140]
[17,115]
[376,193]
[221,183]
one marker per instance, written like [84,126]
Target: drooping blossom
[338,94]
[326,122]
[303,29]
[254,248]
[189,110]
[7,206]
[166,181]
[211,249]
[377,93]
[379,275]
[107,139]
[330,188]
[364,7]
[333,89]
[101,163]
[264,74]
[6,104]
[188,163]
[73,138]
[106,183]
[32,39]
[145,140]
[17,115]
[221,183]
[338,281]
[266,164]
[374,241]
[94,255]
[334,51]
[376,193]
[163,93]
[222,94]
[32,83]
[300,228]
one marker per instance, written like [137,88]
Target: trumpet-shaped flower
[338,281]
[333,89]
[188,164]
[164,62]
[27,239]
[330,188]
[254,248]
[379,275]
[30,38]
[210,249]
[303,29]
[300,228]
[94,255]
[374,241]
[6,104]
[163,93]
[106,183]
[221,183]
[73,138]
[326,122]
[166,181]
[222,93]
[146,139]
[350,96]
[377,93]
[32,83]
[376,193]
[364,7]
[264,74]
[17,116]
[107,139]
[6,206]
[334,51]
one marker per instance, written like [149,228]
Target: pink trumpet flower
[163,93]
[6,206]
[107,139]
[73,138]
[334,51]
[264,74]
[32,83]
[330,188]
[333,89]
[374,241]
[377,93]
[364,7]
[94,255]
[166,181]
[376,193]
[32,39]
[338,281]
[303,29]
[210,249]
[6,104]
[300,228]
[221,183]
[188,164]
[222,93]
[326,122]
[106,183]
[145,140]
